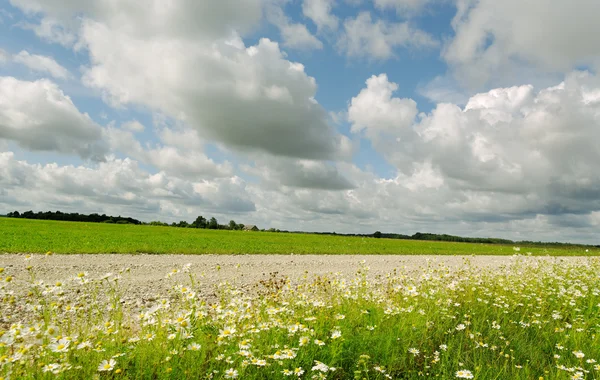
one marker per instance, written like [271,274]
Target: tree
[377,234]
[200,222]
[232,225]
[213,224]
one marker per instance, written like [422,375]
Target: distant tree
[200,222]
[213,224]
[377,234]
[232,225]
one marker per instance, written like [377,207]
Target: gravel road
[148,272]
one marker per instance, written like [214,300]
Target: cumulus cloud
[251,98]
[320,12]
[42,64]
[500,37]
[175,159]
[3,56]
[188,19]
[186,59]
[364,37]
[308,174]
[114,184]
[39,116]
[510,153]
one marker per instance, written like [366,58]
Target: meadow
[40,236]
[532,319]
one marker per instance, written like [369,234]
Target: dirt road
[147,273]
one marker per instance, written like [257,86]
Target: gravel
[148,272]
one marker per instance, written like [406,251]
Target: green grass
[40,236]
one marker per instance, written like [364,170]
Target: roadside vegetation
[40,236]
[530,320]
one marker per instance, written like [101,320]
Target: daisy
[464,374]
[107,365]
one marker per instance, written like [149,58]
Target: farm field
[40,236]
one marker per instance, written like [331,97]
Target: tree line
[200,222]
[73,217]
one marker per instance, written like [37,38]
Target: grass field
[40,236]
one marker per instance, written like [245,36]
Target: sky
[468,117]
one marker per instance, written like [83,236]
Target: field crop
[39,236]
[530,320]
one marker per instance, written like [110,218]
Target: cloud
[320,12]
[510,153]
[294,35]
[364,38]
[402,7]
[114,185]
[250,98]
[187,19]
[494,38]
[375,111]
[4,57]
[42,64]
[307,174]
[175,160]
[51,30]
[39,116]
[297,36]
[133,126]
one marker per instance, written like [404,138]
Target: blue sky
[470,117]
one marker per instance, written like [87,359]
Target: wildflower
[287,372]
[62,345]
[322,367]
[231,373]
[335,334]
[303,341]
[578,354]
[107,365]
[443,347]
[414,351]
[464,374]
[460,327]
[298,371]
[319,342]
[53,368]
[194,347]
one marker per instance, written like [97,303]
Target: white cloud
[112,185]
[402,7]
[365,38]
[249,98]
[375,111]
[510,153]
[297,36]
[3,56]
[501,37]
[51,30]
[320,12]
[133,126]
[307,174]
[294,35]
[174,19]
[42,64]
[175,159]
[39,116]
[443,89]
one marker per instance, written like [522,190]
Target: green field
[40,236]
